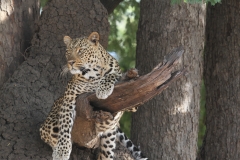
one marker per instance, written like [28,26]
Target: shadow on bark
[17,29]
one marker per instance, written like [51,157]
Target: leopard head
[80,51]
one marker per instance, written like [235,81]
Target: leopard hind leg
[107,145]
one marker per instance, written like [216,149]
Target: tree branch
[126,95]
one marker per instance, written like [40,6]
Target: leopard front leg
[106,86]
[63,148]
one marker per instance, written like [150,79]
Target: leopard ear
[94,38]
[67,40]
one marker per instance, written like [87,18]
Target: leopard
[110,134]
[93,69]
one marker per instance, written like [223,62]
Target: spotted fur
[110,133]
[125,141]
[93,69]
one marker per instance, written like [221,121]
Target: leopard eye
[79,50]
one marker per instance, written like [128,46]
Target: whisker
[64,71]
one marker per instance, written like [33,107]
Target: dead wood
[126,95]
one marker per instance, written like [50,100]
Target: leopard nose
[71,62]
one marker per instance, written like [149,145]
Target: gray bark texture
[166,127]
[222,81]
[16,31]
[26,98]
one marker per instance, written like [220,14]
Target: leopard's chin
[74,71]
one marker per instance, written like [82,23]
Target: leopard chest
[93,68]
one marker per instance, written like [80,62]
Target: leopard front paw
[57,156]
[61,152]
[103,91]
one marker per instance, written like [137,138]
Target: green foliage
[43,3]
[122,41]
[122,38]
[125,123]
[212,2]
[202,126]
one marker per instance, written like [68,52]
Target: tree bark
[17,26]
[26,98]
[222,81]
[167,126]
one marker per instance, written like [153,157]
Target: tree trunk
[222,81]
[16,24]
[167,126]
[26,98]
